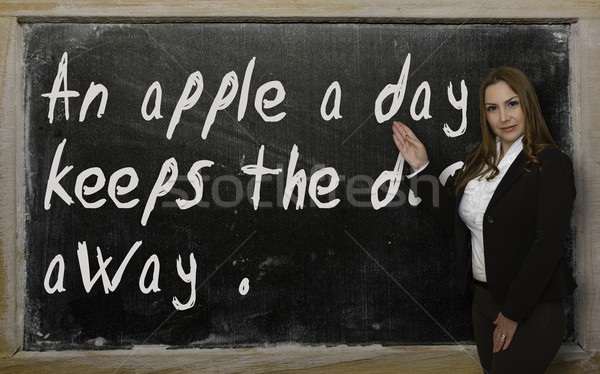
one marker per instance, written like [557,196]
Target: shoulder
[553,160]
[553,155]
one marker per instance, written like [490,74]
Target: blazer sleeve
[438,199]
[554,205]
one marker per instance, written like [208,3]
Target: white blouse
[477,196]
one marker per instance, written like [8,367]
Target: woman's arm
[554,205]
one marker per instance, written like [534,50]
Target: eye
[513,104]
[491,108]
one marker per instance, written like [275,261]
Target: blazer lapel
[512,174]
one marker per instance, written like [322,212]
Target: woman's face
[504,113]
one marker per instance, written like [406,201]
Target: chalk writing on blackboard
[268,96]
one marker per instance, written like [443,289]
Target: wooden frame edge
[10,337]
[585,79]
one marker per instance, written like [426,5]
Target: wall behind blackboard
[343,275]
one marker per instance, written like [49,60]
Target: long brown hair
[536,136]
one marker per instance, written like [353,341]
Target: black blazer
[524,231]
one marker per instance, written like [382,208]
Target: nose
[503,115]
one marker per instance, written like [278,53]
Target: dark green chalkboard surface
[243,264]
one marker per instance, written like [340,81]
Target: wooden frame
[585,54]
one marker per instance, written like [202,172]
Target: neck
[502,153]
[504,147]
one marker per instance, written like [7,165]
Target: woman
[510,214]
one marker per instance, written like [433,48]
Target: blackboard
[343,274]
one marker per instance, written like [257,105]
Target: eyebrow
[512,98]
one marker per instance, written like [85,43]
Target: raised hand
[410,146]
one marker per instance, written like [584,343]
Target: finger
[409,131]
[402,128]
[397,127]
[398,142]
[498,342]
[507,343]
[413,139]
[399,139]
[408,134]
[414,142]
[402,146]
[495,338]
[397,132]
[398,124]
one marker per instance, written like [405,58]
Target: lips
[509,128]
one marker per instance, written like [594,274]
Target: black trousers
[534,344]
